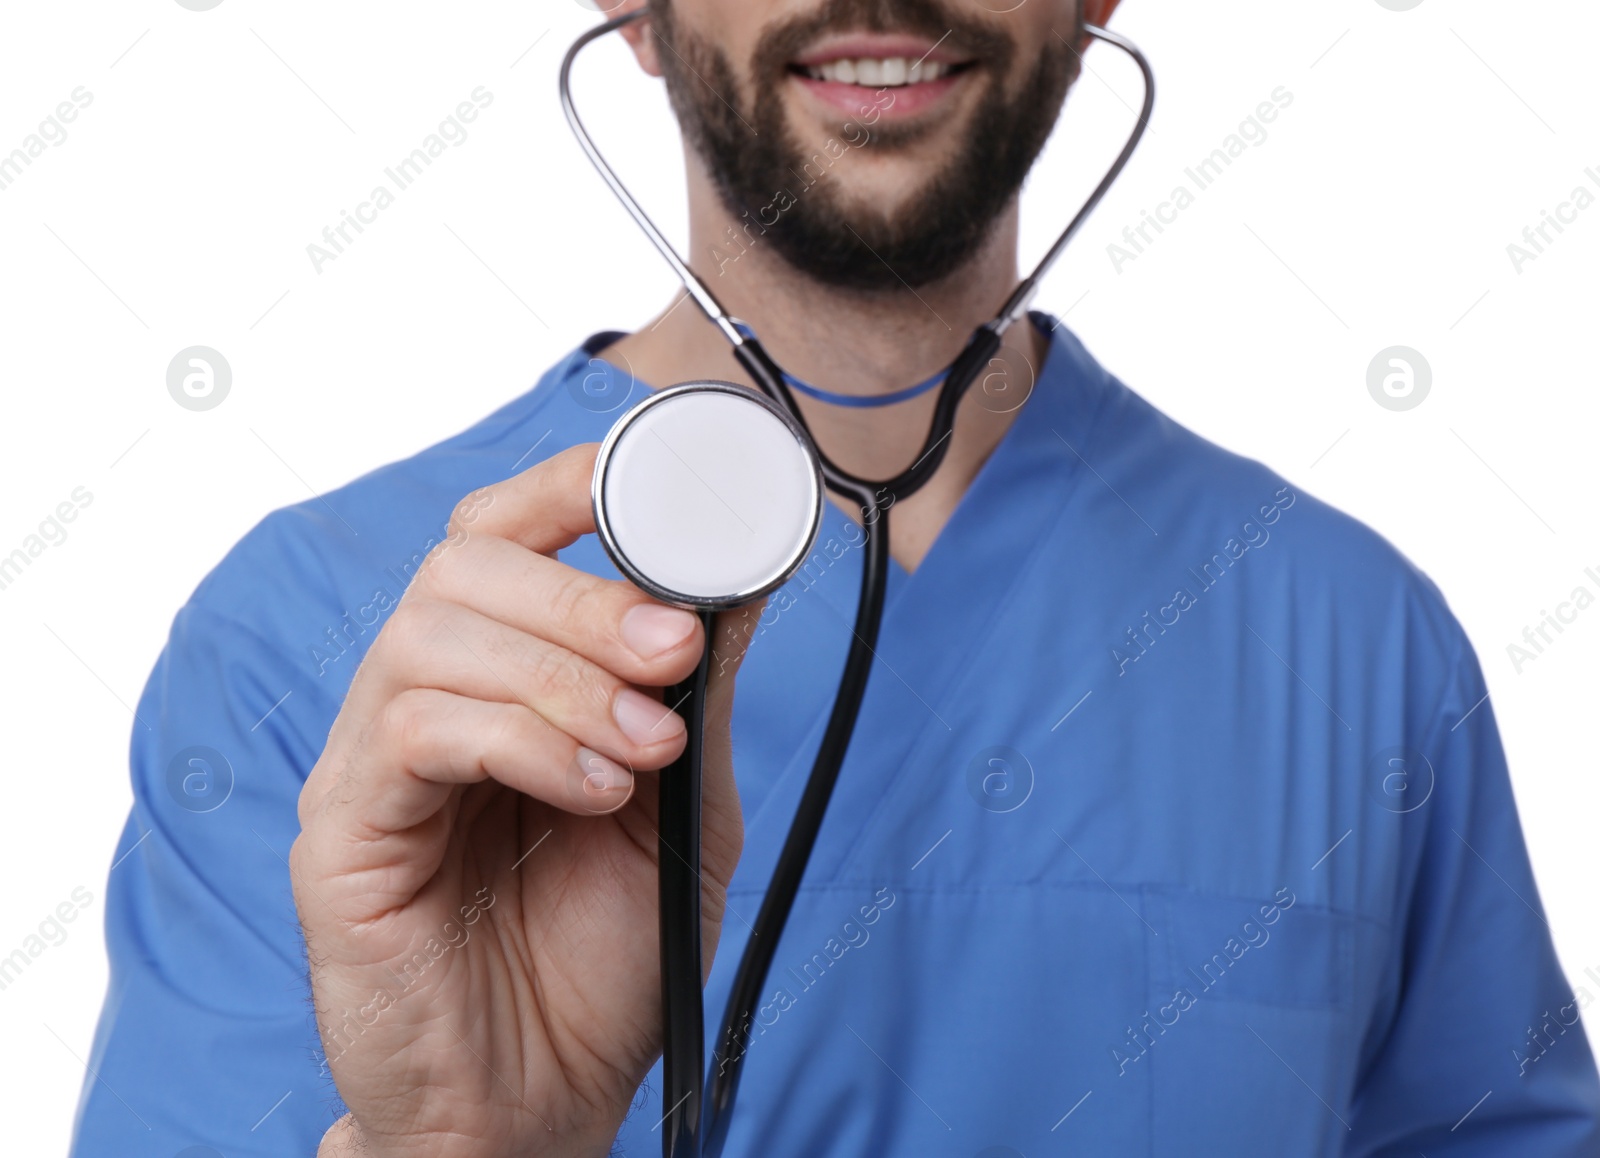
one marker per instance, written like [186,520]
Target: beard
[756,162]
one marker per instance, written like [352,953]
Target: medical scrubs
[1177,823]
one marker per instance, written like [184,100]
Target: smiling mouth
[881,72]
[884,60]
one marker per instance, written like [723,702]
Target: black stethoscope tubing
[688,1128]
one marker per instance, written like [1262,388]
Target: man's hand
[476,870]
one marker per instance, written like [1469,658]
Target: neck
[851,342]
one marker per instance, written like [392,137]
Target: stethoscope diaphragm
[707,495]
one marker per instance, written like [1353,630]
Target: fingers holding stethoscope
[609,621]
[427,742]
[458,696]
[491,616]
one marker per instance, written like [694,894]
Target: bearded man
[1176,821]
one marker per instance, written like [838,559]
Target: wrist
[345,1140]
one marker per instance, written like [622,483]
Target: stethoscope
[708,496]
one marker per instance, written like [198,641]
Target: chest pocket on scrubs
[1252,1009]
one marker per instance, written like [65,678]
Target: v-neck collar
[1039,446]
[938,617]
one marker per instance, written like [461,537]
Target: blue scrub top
[1177,822]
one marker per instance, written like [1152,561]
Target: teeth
[873,72]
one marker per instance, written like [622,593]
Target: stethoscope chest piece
[707,495]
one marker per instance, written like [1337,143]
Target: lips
[899,75]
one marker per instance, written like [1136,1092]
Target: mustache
[931,18]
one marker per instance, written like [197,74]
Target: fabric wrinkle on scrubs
[1176,823]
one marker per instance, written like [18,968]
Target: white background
[219,145]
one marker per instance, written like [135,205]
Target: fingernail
[650,629]
[603,782]
[643,720]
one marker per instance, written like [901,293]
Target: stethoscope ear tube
[744,998]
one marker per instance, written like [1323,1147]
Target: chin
[881,193]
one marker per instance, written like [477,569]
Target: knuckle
[469,510]
[556,671]
[403,722]
[443,561]
[513,728]
[573,601]
[582,690]
[412,629]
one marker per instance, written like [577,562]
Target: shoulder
[1209,512]
[316,579]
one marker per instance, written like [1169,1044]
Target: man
[1176,822]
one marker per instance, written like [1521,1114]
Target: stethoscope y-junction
[709,496]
